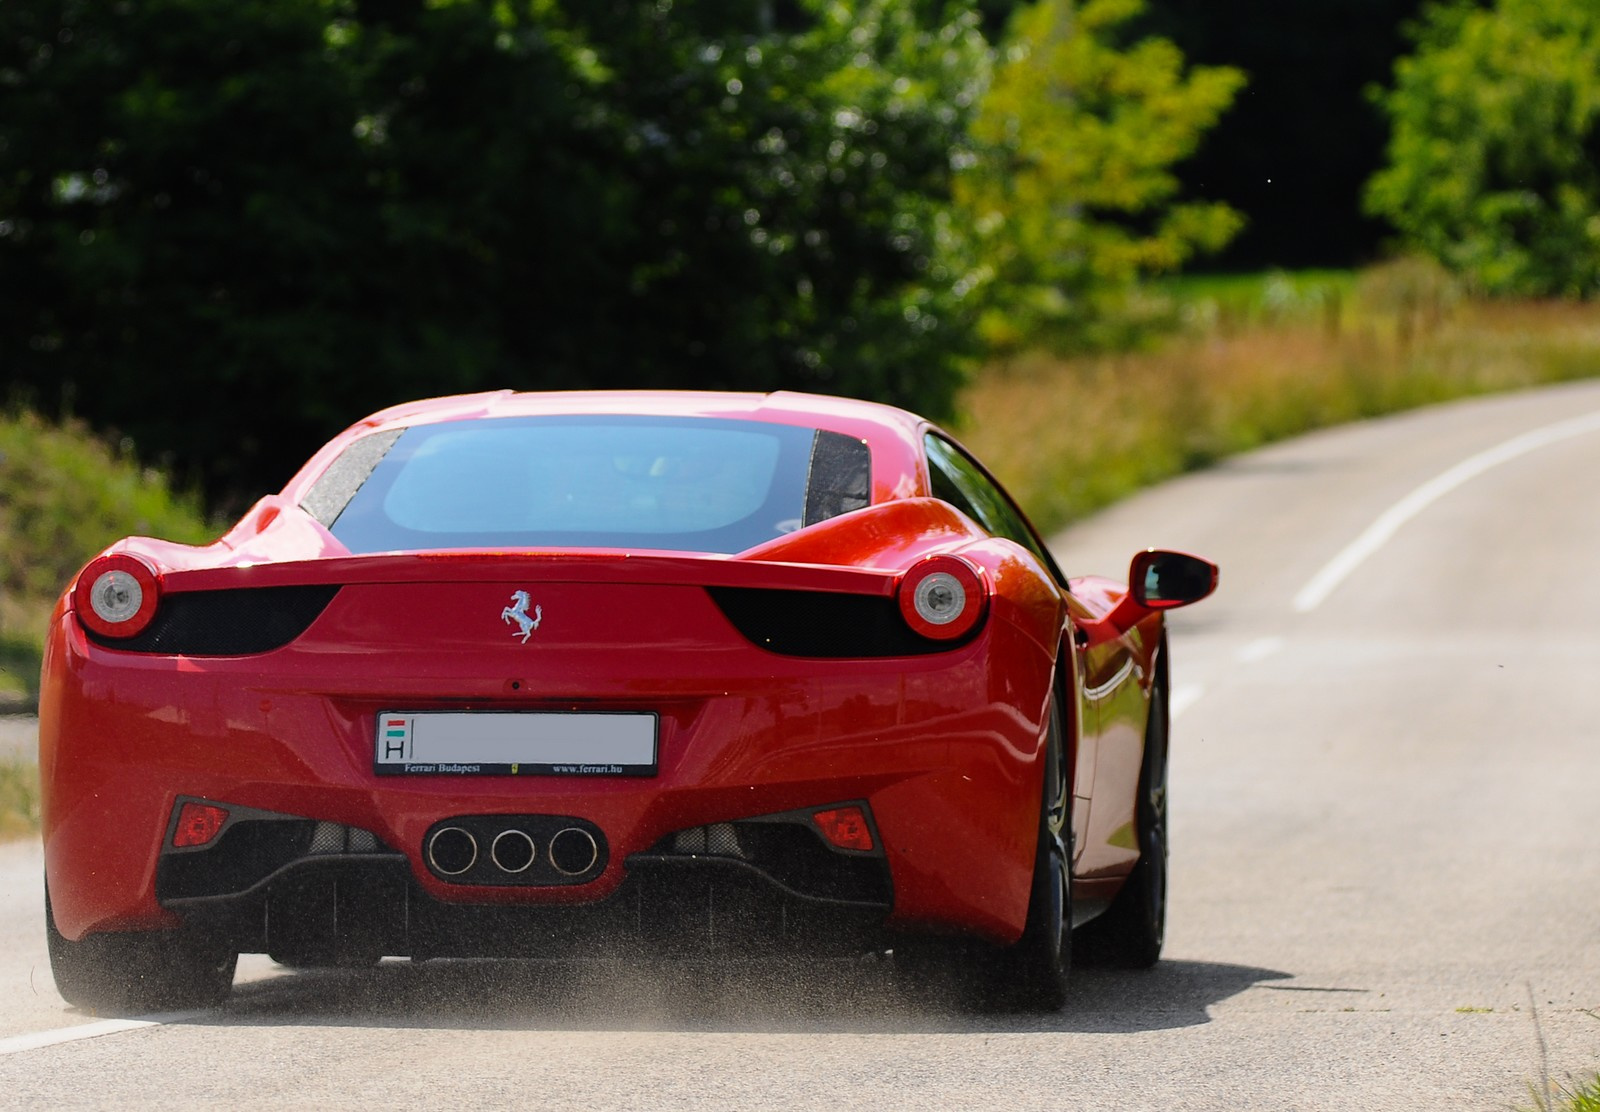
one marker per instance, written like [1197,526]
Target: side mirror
[1161,580]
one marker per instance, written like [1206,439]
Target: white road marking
[1259,649]
[1326,581]
[16,1044]
[264,976]
[1183,697]
[1187,695]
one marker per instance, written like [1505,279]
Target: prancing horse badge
[518,612]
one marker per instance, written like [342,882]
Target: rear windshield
[682,484]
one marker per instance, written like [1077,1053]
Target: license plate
[515,743]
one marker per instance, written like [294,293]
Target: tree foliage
[227,228]
[1071,197]
[1494,160]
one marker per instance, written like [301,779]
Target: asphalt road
[1386,873]
[19,736]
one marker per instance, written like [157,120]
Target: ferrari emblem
[518,612]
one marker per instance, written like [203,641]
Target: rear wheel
[138,971]
[1130,933]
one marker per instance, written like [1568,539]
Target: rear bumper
[943,748]
[312,893]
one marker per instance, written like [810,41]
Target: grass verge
[64,495]
[19,670]
[1260,360]
[1583,1098]
[19,798]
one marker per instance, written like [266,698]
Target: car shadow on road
[843,996]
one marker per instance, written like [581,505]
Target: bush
[65,495]
[1491,164]
[1070,198]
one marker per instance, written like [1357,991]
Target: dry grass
[1070,436]
[19,799]
[1556,1097]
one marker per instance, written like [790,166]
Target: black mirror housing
[1163,580]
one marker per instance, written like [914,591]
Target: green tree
[1494,156]
[225,229]
[1071,197]
[790,183]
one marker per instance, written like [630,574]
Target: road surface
[1386,870]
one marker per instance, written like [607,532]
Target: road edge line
[38,1040]
[1388,523]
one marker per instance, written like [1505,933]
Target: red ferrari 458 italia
[557,675]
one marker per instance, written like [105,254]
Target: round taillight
[943,597]
[116,596]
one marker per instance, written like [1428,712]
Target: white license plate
[515,743]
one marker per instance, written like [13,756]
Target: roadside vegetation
[1257,359]
[841,198]
[19,798]
[64,495]
[1581,1098]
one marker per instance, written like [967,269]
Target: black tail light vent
[235,622]
[821,624]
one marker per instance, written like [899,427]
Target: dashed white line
[1326,581]
[1259,649]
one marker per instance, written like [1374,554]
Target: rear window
[684,484]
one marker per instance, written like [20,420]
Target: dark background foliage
[228,229]
[1302,137]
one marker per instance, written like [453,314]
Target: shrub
[1491,167]
[1071,198]
[65,495]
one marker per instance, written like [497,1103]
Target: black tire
[134,972]
[1130,933]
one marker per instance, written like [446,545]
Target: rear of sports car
[543,688]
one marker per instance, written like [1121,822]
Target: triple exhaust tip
[453,850]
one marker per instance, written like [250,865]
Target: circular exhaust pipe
[513,850]
[452,850]
[573,851]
